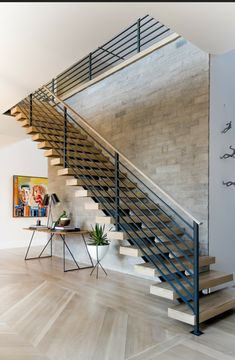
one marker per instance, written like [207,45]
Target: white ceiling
[39,40]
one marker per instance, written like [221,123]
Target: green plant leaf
[98,235]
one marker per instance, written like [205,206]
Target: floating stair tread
[57,132]
[108,194]
[210,306]
[99,182]
[133,219]
[118,235]
[207,280]
[55,153]
[132,250]
[55,145]
[83,163]
[122,235]
[78,171]
[150,270]
[60,139]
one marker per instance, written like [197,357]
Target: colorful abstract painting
[28,195]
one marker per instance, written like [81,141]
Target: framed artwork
[28,196]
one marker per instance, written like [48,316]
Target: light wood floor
[48,314]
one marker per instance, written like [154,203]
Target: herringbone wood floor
[48,314]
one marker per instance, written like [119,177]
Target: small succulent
[98,236]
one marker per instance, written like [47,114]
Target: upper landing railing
[145,32]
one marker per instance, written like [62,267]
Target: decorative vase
[64,222]
[102,251]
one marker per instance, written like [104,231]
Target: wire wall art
[228,124]
[229,183]
[226,155]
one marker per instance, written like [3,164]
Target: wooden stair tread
[108,193]
[134,219]
[99,182]
[210,306]
[150,270]
[122,235]
[71,155]
[39,130]
[75,147]
[97,172]
[133,250]
[130,206]
[83,163]
[60,139]
[207,280]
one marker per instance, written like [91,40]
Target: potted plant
[98,244]
[63,219]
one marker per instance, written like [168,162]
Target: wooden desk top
[50,231]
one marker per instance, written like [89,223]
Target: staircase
[145,224]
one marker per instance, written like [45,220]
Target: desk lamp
[48,201]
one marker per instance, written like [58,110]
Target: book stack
[66,228]
[38,227]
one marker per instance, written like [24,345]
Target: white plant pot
[102,251]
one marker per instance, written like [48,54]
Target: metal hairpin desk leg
[40,255]
[65,245]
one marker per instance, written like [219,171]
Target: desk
[62,235]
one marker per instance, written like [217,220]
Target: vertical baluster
[30,109]
[196,329]
[117,193]
[138,36]
[53,88]
[90,66]
[65,137]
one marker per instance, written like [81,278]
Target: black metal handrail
[151,260]
[112,205]
[145,32]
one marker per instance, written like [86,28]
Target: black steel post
[196,330]
[65,137]
[138,36]
[117,193]
[30,109]
[90,66]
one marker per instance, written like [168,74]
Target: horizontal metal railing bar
[151,32]
[148,27]
[122,32]
[125,158]
[152,212]
[161,263]
[67,83]
[93,62]
[153,38]
[149,199]
[149,239]
[130,33]
[156,216]
[153,193]
[111,53]
[118,54]
[68,76]
[67,71]
[130,39]
[66,79]
[121,45]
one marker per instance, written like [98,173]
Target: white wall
[222,199]
[17,157]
